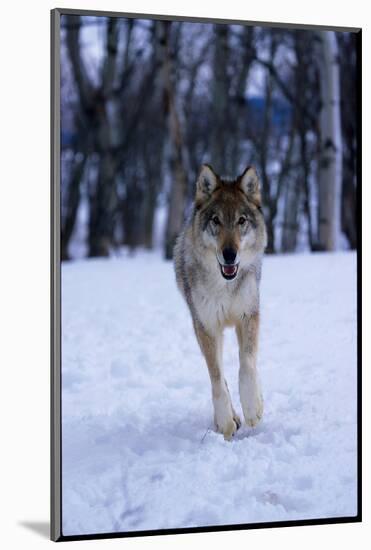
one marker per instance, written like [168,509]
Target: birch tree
[330,161]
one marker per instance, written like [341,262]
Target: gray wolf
[218,257]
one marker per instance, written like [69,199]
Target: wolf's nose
[229,255]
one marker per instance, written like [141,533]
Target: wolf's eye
[242,220]
[215,220]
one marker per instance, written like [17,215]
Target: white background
[24,271]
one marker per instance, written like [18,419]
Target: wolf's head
[230,218]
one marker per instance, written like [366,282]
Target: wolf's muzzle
[228,263]
[229,255]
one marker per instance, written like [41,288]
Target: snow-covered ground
[139,450]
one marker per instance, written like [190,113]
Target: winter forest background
[144,103]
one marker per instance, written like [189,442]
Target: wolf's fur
[226,217]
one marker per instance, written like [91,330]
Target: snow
[139,448]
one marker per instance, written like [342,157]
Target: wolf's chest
[225,304]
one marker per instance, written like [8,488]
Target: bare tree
[348,74]
[238,112]
[196,138]
[220,92]
[297,187]
[259,132]
[330,163]
[178,192]
[94,103]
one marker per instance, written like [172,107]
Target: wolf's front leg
[211,345]
[250,392]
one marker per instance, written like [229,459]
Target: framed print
[206,281]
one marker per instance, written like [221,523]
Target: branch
[110,63]
[285,90]
[85,88]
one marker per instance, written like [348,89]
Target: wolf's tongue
[229,269]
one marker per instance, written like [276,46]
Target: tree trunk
[302,46]
[132,220]
[94,103]
[349,208]
[270,235]
[348,79]
[330,162]
[219,130]
[149,217]
[72,203]
[305,163]
[102,208]
[178,191]
[153,174]
[291,215]
[239,114]
[263,152]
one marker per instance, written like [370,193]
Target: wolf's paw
[229,427]
[237,420]
[253,414]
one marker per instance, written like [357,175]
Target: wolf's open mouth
[229,272]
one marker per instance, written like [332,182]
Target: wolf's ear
[250,184]
[206,183]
